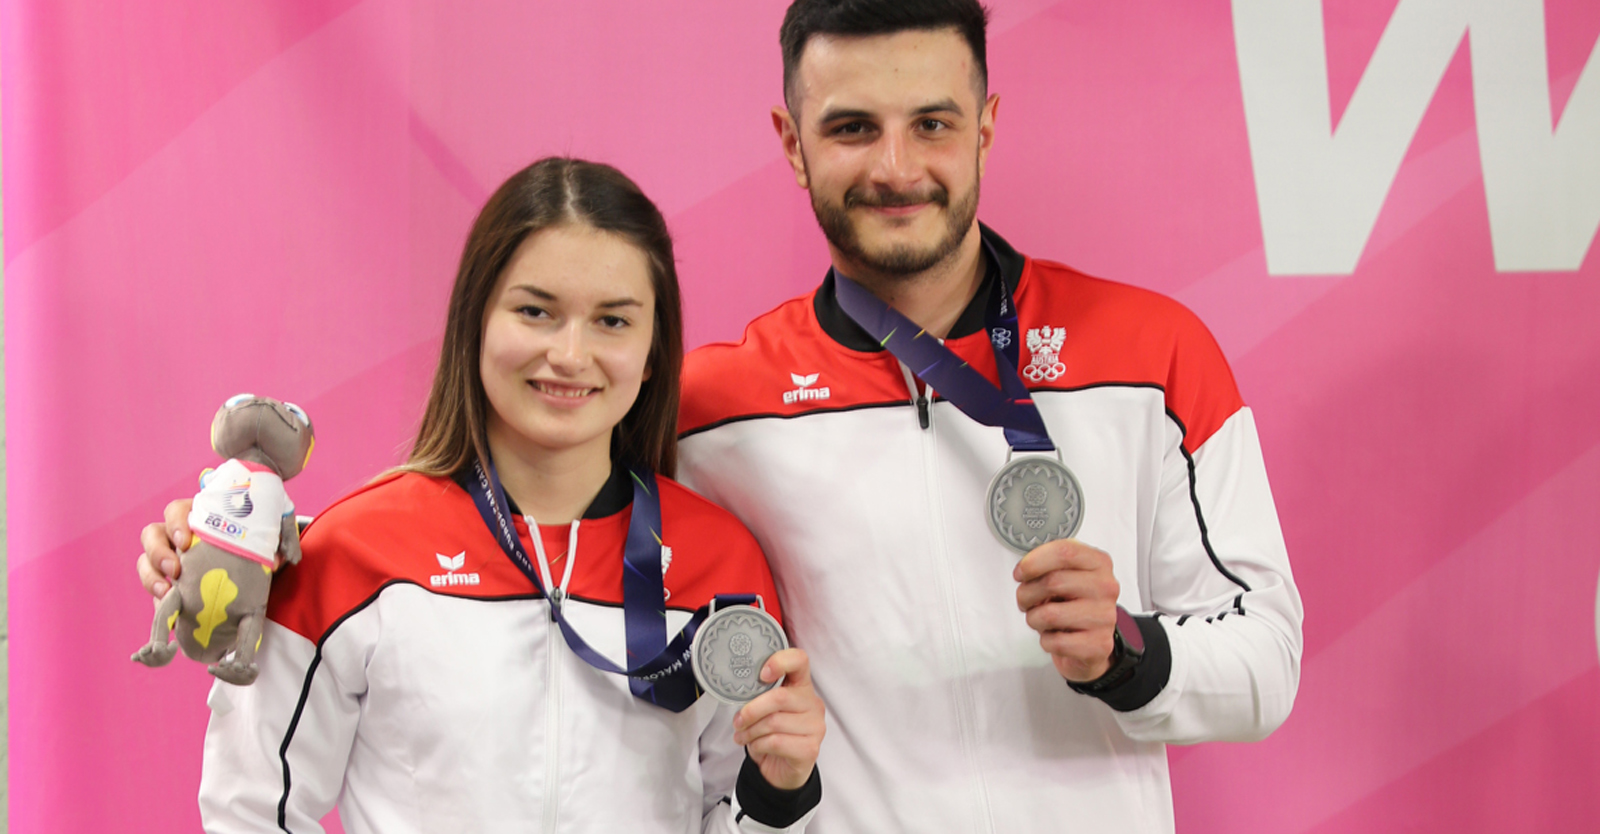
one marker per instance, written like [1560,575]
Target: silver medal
[731,647]
[1034,499]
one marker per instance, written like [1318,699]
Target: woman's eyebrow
[535,291]
[546,295]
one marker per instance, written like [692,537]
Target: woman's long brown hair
[552,192]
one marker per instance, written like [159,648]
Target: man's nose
[897,166]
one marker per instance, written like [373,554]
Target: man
[950,708]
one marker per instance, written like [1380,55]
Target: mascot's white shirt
[240,509]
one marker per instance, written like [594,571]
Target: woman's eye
[532,312]
[613,322]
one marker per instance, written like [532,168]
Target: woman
[413,669]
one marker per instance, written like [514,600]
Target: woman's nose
[569,352]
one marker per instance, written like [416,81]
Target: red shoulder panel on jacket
[427,532]
[1076,332]
[1116,333]
[403,528]
[784,366]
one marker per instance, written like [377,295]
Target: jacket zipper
[555,596]
[964,700]
[552,727]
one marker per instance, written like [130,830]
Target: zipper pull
[922,409]
[554,598]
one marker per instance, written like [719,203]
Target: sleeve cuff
[1149,677]
[775,807]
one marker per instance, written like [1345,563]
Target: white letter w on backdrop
[1320,188]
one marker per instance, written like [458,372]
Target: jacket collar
[846,332]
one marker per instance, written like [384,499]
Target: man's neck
[934,298]
[552,487]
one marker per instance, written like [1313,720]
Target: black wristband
[1149,677]
[775,807]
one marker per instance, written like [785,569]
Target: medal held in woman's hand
[731,647]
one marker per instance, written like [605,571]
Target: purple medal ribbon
[1010,406]
[664,676]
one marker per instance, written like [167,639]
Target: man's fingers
[1067,585]
[1087,646]
[1078,655]
[1073,615]
[1061,554]
[177,523]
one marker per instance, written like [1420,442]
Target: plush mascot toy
[244,528]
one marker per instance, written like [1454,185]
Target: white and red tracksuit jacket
[944,714]
[412,675]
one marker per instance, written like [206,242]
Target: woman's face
[566,341]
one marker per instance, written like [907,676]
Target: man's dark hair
[861,18]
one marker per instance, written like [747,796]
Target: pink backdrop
[1408,300]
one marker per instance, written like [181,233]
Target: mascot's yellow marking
[194,539]
[172,621]
[216,591]
[267,569]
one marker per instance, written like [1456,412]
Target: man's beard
[901,260]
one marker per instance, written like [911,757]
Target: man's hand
[1070,598]
[158,564]
[782,728]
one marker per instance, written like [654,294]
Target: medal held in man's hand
[731,647]
[1034,499]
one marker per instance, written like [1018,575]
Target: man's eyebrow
[834,114]
[839,114]
[942,106]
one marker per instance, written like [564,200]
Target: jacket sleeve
[737,798]
[1222,631]
[275,751]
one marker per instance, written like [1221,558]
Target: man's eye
[932,125]
[851,129]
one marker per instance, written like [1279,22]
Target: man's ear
[789,136]
[991,109]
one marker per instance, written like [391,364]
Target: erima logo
[805,391]
[452,564]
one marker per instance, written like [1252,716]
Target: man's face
[889,136]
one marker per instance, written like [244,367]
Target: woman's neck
[554,487]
